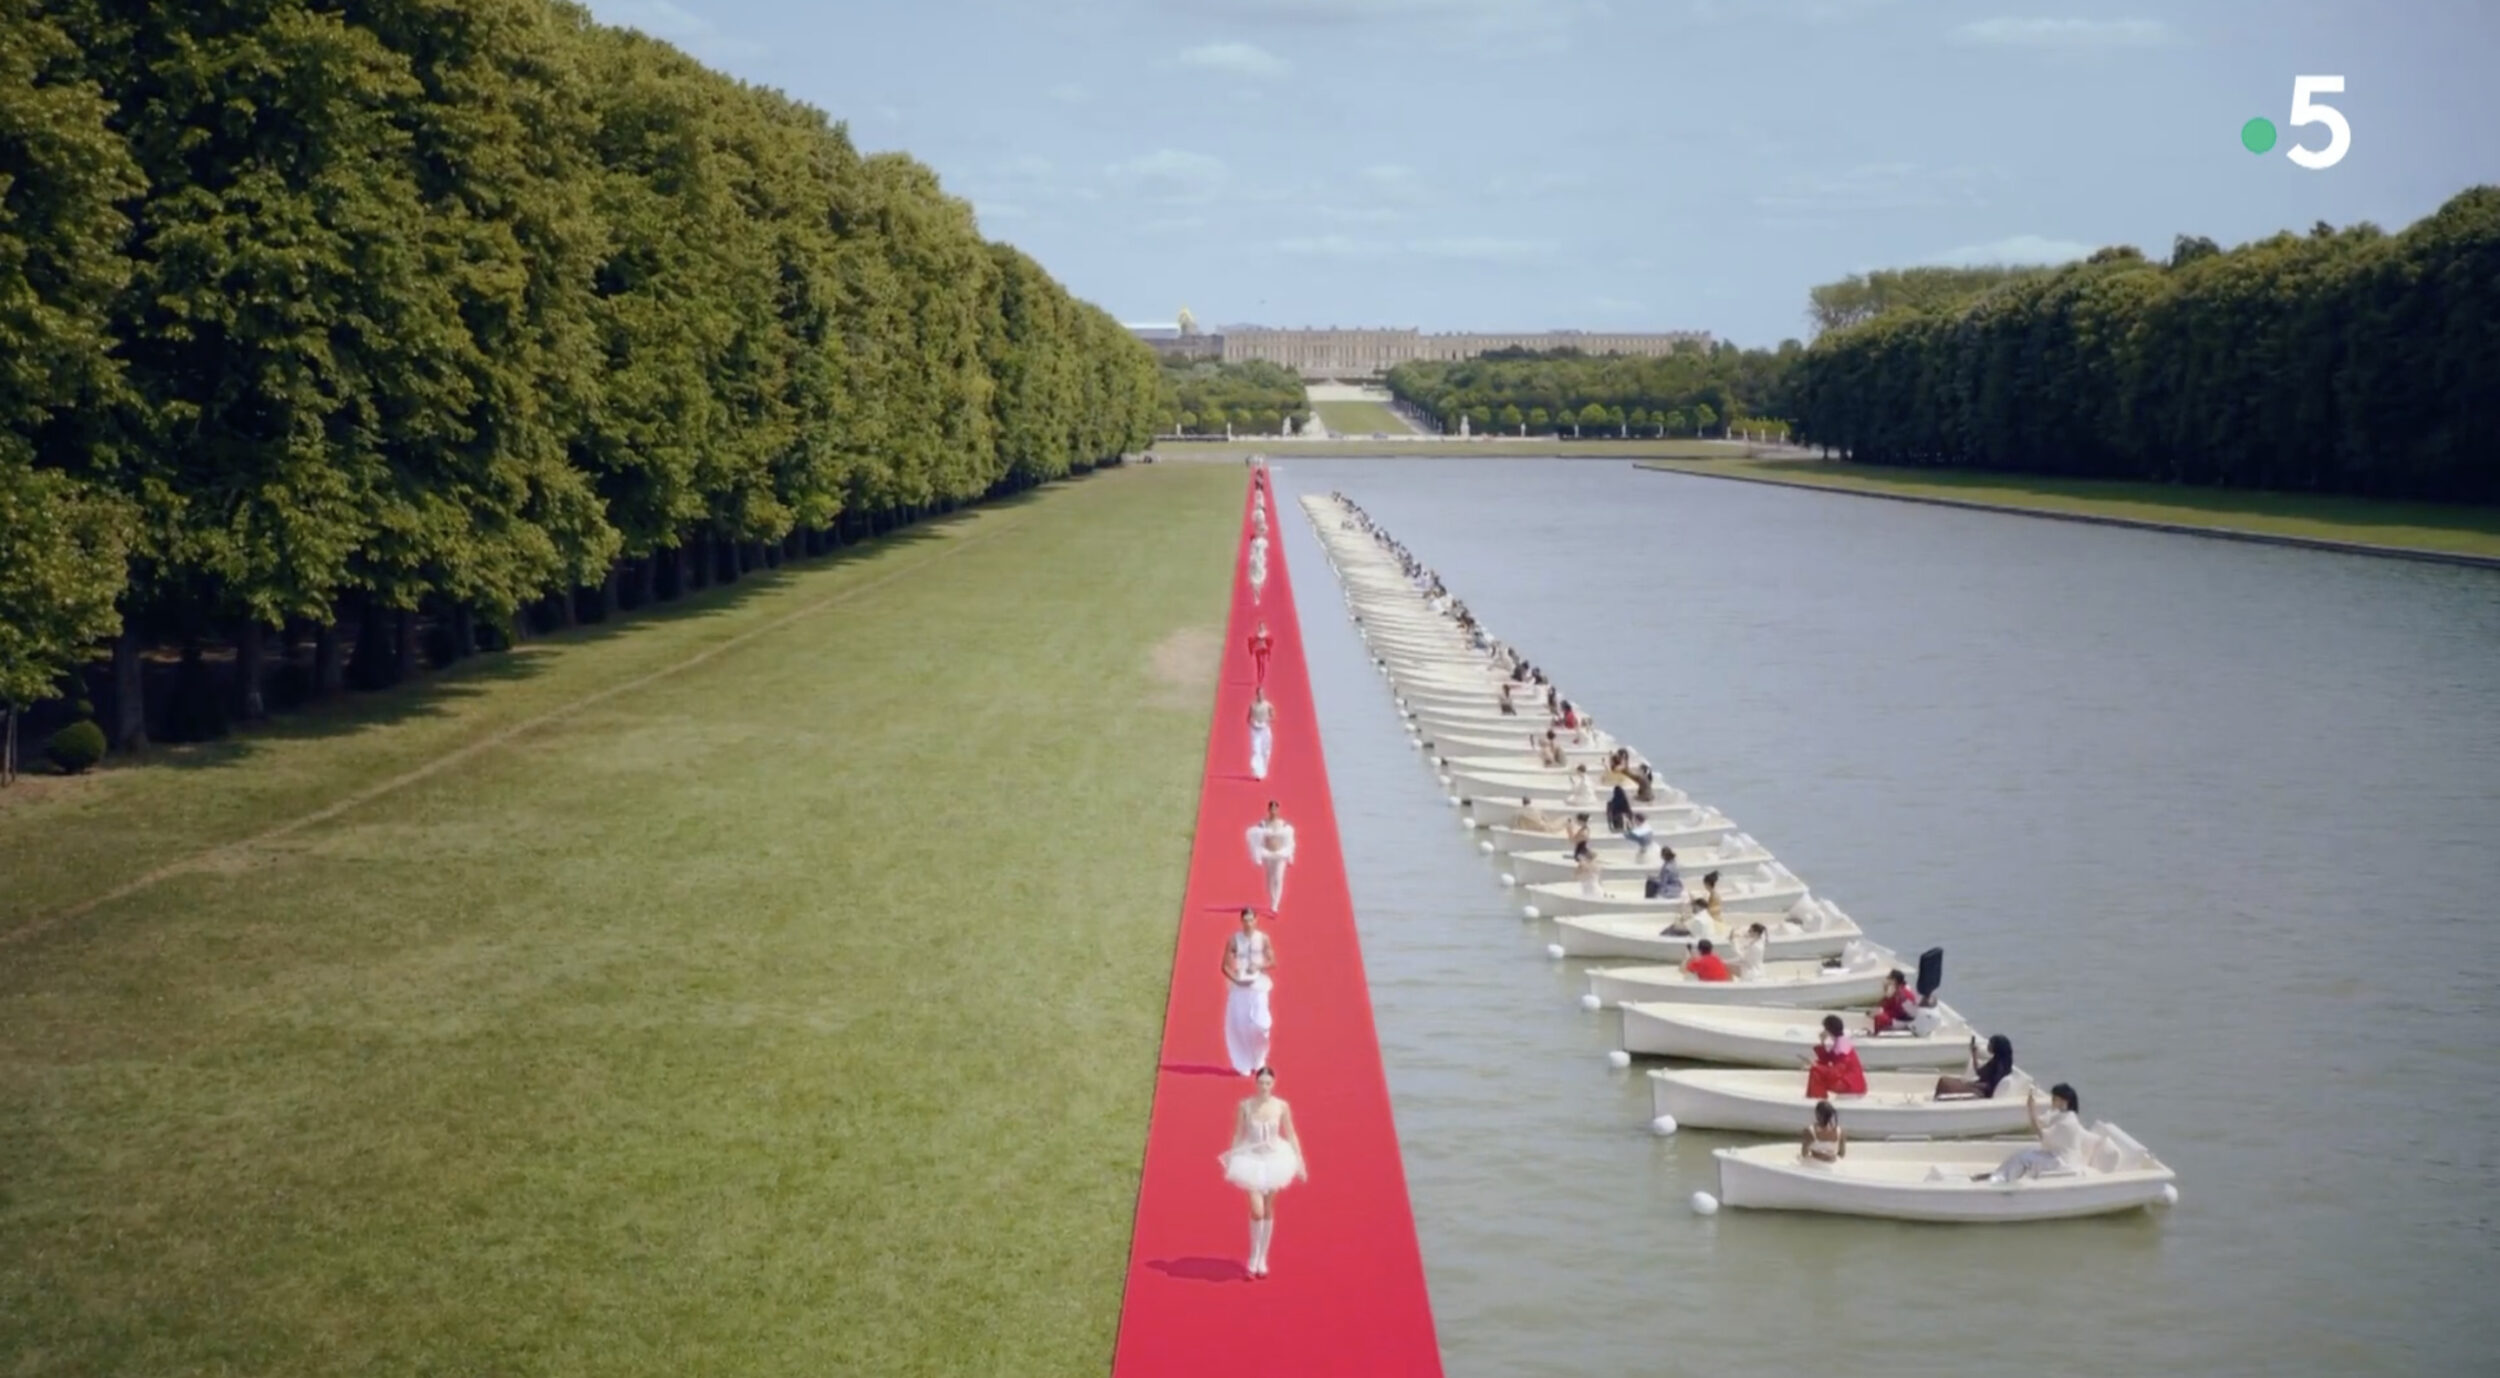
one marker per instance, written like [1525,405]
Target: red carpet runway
[1344,1292]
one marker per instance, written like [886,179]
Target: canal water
[2207,827]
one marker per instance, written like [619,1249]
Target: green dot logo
[2257,135]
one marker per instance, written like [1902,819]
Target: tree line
[1700,391]
[1254,397]
[352,335]
[2344,361]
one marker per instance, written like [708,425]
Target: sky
[1612,164]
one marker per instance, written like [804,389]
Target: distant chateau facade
[1369,353]
[1336,353]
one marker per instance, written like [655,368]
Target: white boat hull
[1892,1181]
[1770,1036]
[1782,983]
[1897,1105]
[1638,940]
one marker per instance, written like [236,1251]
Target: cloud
[1330,246]
[999,210]
[1614,306]
[676,24]
[1070,93]
[1811,11]
[1173,224]
[1354,215]
[2067,34]
[1171,175]
[1878,187]
[1538,25]
[1240,59]
[2021,250]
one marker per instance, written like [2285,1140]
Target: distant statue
[1285,426]
[1462,426]
[1188,322]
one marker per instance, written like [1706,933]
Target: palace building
[1352,354]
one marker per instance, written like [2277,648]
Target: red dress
[1836,1072]
[1260,646]
[1899,1008]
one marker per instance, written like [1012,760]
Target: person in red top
[1261,646]
[1706,964]
[1836,1070]
[1899,1006]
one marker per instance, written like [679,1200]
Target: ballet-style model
[1266,1157]
[1247,1022]
[1271,848]
[1262,733]
[1261,647]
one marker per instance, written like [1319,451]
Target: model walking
[1262,733]
[1261,647]
[1266,1157]
[1271,848]
[1248,959]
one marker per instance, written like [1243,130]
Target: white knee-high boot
[1259,1232]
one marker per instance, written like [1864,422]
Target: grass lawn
[1361,418]
[1443,447]
[2403,525]
[789,1011]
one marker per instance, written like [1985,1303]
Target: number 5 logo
[2307,111]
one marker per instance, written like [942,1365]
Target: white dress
[1262,738]
[1263,1161]
[1247,1021]
[1271,848]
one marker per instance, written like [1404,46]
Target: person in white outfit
[2061,1139]
[1248,959]
[1266,1157]
[1262,733]
[1271,847]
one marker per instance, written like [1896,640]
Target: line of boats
[1519,777]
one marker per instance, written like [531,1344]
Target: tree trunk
[607,593]
[8,742]
[411,648]
[463,632]
[251,659]
[130,694]
[568,611]
[647,580]
[329,661]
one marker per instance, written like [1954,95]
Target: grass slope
[1361,418]
[2401,525]
[793,1012]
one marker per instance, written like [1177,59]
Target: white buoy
[1618,1059]
[1484,847]
[2169,1194]
[1470,825]
[1455,801]
[1590,1002]
[1662,1126]
[1416,743]
[1531,911]
[1554,950]
[1445,777]
[1705,1204]
[1509,880]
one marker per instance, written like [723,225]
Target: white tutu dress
[1264,1163]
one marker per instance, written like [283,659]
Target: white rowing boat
[1767,888]
[1769,1036]
[1857,980]
[1932,1181]
[1897,1105]
[1811,931]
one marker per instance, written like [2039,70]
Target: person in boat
[1266,1157]
[1533,819]
[1577,830]
[1569,718]
[1836,1070]
[1668,884]
[1899,1005]
[1553,700]
[1271,847]
[1586,869]
[1644,781]
[1640,835]
[1248,1023]
[1549,750]
[1825,1141]
[1752,947]
[1619,766]
[1583,794]
[1509,709]
[1618,811]
[2061,1139]
[1987,1074]
[1262,733]
[1262,646]
[1706,964]
[1707,902]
